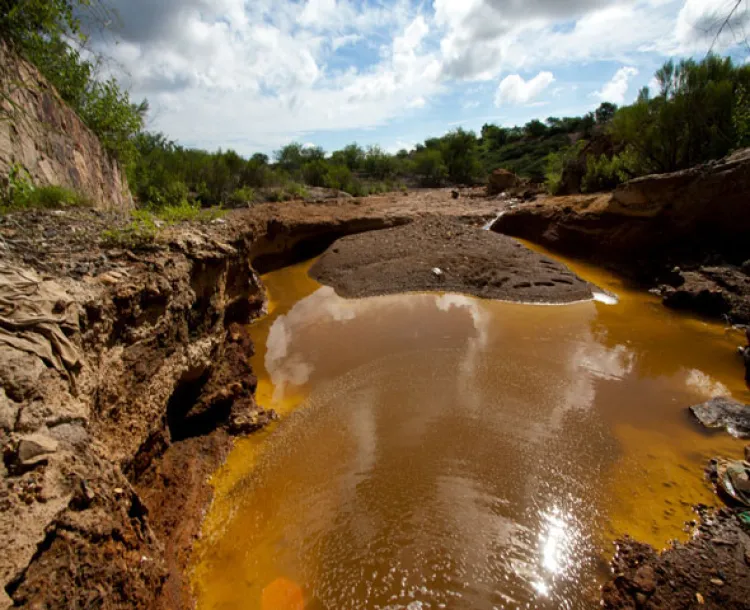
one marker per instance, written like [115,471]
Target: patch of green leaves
[21,194]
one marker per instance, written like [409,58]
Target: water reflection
[451,453]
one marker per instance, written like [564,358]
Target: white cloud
[255,75]
[514,89]
[699,22]
[614,91]
[654,86]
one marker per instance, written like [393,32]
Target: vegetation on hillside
[701,112]
[48,33]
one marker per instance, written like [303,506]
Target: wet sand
[447,256]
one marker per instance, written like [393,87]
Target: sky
[255,75]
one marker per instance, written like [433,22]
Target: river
[441,451]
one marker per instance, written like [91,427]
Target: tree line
[701,112]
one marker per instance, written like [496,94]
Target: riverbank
[124,380]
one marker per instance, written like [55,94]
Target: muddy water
[439,451]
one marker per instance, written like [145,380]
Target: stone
[500,181]
[35,447]
[8,412]
[725,413]
[74,434]
[699,293]
[645,579]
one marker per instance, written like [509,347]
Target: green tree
[430,167]
[535,129]
[692,120]
[460,155]
[605,113]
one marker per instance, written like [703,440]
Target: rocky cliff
[41,133]
[687,231]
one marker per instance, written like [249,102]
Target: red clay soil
[710,571]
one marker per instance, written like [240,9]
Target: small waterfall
[488,226]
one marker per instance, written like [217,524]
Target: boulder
[726,413]
[34,448]
[697,293]
[500,181]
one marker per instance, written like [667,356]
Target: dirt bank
[123,378]
[710,571]
[445,255]
[684,234]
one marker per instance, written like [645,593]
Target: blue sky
[255,75]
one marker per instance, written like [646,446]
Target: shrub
[429,166]
[140,233]
[315,173]
[242,197]
[553,172]
[603,173]
[21,194]
[297,191]
[187,212]
[340,178]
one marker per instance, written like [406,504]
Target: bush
[140,233]
[340,178]
[54,197]
[429,167]
[242,197]
[21,194]
[187,212]
[297,191]
[604,173]
[553,172]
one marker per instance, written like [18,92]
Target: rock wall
[650,219]
[41,133]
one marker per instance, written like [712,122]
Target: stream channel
[442,451]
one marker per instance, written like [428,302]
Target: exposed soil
[684,234]
[448,256]
[106,451]
[710,571]
[124,380]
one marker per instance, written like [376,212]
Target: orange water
[440,451]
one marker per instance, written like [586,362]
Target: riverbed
[438,450]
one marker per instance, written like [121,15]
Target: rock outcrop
[501,180]
[724,413]
[40,133]
[117,395]
[697,219]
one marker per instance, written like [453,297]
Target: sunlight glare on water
[440,451]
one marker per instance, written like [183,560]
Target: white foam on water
[605,297]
